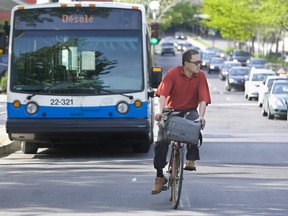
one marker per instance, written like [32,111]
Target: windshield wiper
[95,88]
[112,92]
[44,90]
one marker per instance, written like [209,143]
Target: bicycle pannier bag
[182,130]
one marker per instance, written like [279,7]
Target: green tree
[235,19]
[181,14]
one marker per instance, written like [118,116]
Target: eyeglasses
[196,62]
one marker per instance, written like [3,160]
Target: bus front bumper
[43,130]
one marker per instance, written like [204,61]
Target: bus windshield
[60,59]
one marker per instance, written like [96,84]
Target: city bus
[80,72]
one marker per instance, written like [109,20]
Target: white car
[255,78]
[265,85]
[168,48]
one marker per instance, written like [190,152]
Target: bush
[3,83]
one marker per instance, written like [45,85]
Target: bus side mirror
[156,76]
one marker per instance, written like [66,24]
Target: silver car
[275,100]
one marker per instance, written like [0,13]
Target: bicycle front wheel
[177,177]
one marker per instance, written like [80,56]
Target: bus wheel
[29,147]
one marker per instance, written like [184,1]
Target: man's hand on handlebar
[158,116]
[202,121]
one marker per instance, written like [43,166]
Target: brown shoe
[158,185]
[190,165]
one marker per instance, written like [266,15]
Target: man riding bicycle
[184,88]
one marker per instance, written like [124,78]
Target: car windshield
[258,61]
[259,77]
[280,88]
[242,53]
[217,61]
[167,44]
[239,72]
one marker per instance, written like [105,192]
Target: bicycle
[175,170]
[176,162]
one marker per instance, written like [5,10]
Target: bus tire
[29,147]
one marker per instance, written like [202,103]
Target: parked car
[255,78]
[3,64]
[275,100]
[225,68]
[215,64]
[168,48]
[257,62]
[240,56]
[265,85]
[236,77]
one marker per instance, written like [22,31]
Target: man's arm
[161,104]
[202,111]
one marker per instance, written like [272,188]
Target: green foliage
[3,83]
[245,19]
[181,14]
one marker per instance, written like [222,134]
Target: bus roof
[69,3]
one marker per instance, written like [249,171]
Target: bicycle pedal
[164,188]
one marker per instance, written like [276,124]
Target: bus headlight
[122,107]
[31,108]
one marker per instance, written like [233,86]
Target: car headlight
[276,102]
[212,66]
[231,80]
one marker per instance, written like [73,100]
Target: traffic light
[154,33]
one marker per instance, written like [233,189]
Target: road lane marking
[234,104]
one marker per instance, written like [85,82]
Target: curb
[6,145]
[9,148]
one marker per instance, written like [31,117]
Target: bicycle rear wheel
[177,176]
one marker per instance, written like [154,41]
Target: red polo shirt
[181,92]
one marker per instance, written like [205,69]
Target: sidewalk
[6,145]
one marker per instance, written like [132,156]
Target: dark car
[236,78]
[206,57]
[218,52]
[225,68]
[167,48]
[215,64]
[185,46]
[3,64]
[257,62]
[240,56]
[180,35]
[275,100]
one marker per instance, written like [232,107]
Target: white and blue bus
[80,72]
